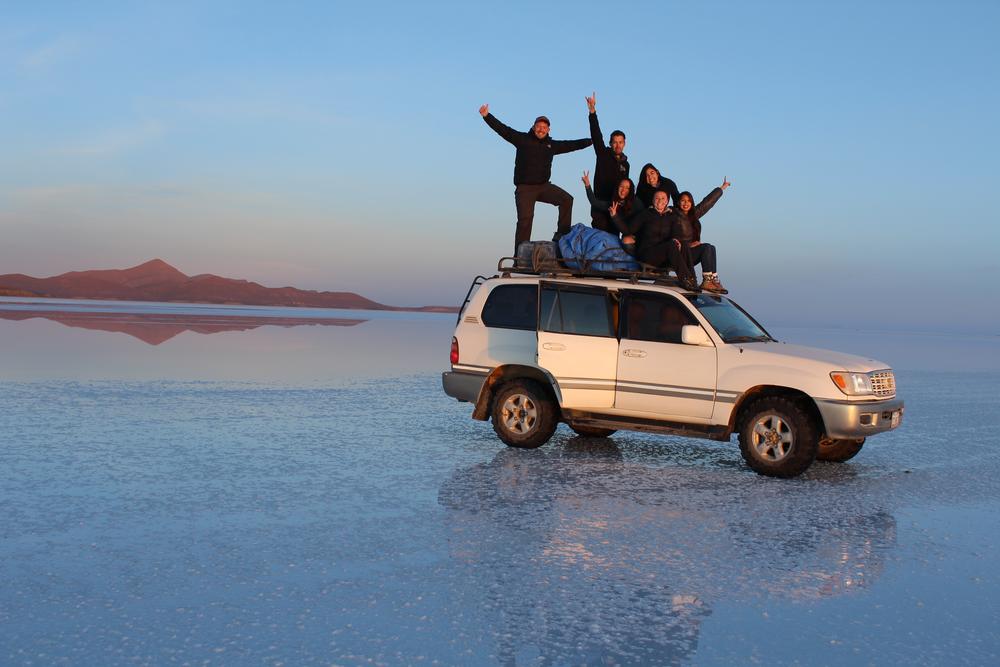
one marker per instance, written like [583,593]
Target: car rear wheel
[778,438]
[839,451]
[524,415]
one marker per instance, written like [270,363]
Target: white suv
[604,354]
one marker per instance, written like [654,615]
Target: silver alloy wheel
[772,437]
[519,413]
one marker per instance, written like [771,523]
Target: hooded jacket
[651,230]
[610,168]
[533,161]
[644,191]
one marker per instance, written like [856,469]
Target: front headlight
[852,384]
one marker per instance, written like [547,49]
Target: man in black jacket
[612,163]
[532,171]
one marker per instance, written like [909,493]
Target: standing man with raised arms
[612,163]
[532,171]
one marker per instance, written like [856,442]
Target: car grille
[883,384]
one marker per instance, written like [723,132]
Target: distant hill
[156,280]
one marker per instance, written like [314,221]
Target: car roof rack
[556,267]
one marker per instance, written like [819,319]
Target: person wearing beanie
[532,171]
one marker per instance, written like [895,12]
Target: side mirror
[692,334]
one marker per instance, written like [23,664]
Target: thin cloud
[257,109]
[115,141]
[50,54]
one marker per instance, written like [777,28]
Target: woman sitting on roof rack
[624,204]
[654,245]
[686,229]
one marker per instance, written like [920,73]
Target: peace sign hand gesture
[592,102]
[586,178]
[725,183]
[613,209]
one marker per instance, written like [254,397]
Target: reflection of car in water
[583,556]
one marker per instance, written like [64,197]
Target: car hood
[837,361]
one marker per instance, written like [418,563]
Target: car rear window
[512,307]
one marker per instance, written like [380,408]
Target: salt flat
[308,495]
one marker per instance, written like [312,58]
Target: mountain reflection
[585,555]
[157,328]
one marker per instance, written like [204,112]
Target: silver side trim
[474,370]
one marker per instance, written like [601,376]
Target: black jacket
[651,230]
[644,191]
[533,161]
[610,169]
[601,218]
[686,227]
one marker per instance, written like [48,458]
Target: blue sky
[338,146]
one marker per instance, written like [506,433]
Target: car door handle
[638,354]
[555,347]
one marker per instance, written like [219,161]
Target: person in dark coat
[624,204]
[650,180]
[612,163]
[654,245]
[532,171]
[686,229]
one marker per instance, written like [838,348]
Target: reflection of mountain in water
[589,558]
[158,328]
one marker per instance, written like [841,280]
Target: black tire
[592,431]
[778,437]
[524,414]
[838,451]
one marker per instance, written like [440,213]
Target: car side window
[654,317]
[569,311]
[512,307]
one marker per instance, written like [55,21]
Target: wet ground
[266,496]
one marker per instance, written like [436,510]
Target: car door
[657,373]
[577,343]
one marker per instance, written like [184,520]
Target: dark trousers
[668,256]
[705,255]
[525,197]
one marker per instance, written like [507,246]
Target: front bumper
[850,420]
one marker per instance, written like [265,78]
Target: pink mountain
[156,280]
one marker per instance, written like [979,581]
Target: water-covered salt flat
[279,494]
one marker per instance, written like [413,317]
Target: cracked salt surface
[278,501]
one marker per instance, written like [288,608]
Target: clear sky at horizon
[338,146]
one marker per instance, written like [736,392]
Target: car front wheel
[524,415]
[778,437]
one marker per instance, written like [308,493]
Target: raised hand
[586,178]
[725,183]
[592,102]
[613,209]
[484,110]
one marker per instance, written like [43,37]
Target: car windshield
[732,323]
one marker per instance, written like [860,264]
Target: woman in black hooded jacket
[650,181]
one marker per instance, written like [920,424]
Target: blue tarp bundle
[586,247]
